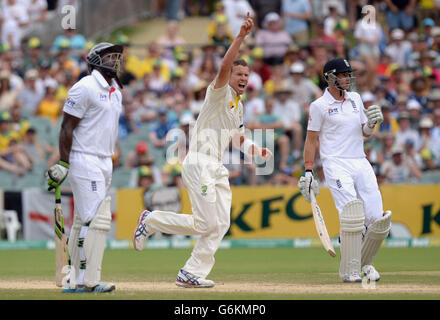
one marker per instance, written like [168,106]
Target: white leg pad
[376,233]
[352,223]
[94,243]
[73,244]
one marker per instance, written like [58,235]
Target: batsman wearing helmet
[340,123]
[87,140]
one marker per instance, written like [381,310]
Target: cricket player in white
[340,122]
[87,140]
[205,177]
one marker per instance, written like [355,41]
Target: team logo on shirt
[69,102]
[355,109]
[204,190]
[102,97]
[332,110]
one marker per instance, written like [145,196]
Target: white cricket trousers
[208,188]
[351,179]
[90,177]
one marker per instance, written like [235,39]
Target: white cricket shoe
[141,233]
[370,272]
[188,280]
[352,278]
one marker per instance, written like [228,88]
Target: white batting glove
[374,115]
[308,183]
[57,174]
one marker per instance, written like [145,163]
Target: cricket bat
[320,226]
[60,239]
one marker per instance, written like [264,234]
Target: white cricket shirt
[98,105]
[220,118]
[339,124]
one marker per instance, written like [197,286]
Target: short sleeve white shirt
[339,124]
[98,105]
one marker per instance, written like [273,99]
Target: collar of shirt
[101,80]
[330,99]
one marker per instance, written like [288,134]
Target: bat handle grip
[57,195]
[312,196]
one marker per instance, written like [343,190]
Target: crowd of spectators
[394,47]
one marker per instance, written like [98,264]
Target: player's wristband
[368,130]
[64,164]
[309,165]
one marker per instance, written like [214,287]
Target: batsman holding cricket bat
[87,141]
[340,122]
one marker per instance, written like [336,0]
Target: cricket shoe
[141,233]
[352,278]
[370,273]
[188,280]
[100,288]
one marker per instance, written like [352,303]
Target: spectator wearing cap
[427,67]
[259,67]
[296,14]
[139,156]
[291,115]
[414,109]
[426,143]
[292,55]
[434,99]
[273,39]
[305,90]
[400,14]
[419,90]
[428,25]
[222,36]
[405,132]
[76,42]
[32,92]
[198,97]
[160,130]
[145,179]
[49,107]
[400,169]
[172,174]
[33,56]
[399,49]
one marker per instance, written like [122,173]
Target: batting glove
[308,183]
[57,174]
[374,115]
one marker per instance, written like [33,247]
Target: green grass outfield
[240,273]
